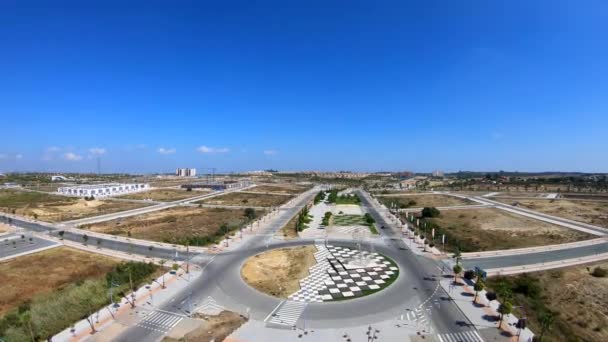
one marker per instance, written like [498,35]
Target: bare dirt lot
[196,226]
[284,188]
[593,212]
[578,300]
[288,231]
[4,228]
[55,208]
[245,199]
[46,271]
[213,328]
[166,195]
[277,272]
[493,229]
[421,201]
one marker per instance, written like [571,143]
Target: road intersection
[414,297]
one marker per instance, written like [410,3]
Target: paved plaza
[343,273]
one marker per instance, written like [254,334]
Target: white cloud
[98,151]
[270,152]
[19,156]
[3,156]
[206,149]
[72,156]
[53,149]
[163,150]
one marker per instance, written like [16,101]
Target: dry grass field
[493,229]
[48,187]
[55,208]
[578,299]
[277,272]
[197,226]
[283,189]
[594,212]
[421,201]
[46,271]
[164,195]
[248,199]
[288,231]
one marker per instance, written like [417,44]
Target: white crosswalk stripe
[210,306]
[286,314]
[461,336]
[160,321]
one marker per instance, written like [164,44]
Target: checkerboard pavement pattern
[334,278]
[349,220]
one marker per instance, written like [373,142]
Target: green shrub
[430,212]
[469,274]
[599,272]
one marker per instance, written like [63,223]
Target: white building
[185,172]
[102,190]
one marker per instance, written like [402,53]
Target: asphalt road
[108,243]
[12,244]
[221,280]
[535,258]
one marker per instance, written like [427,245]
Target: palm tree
[479,285]
[546,321]
[503,290]
[162,262]
[457,255]
[504,309]
[457,269]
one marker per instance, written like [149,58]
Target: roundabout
[402,291]
[339,273]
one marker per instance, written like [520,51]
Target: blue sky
[242,85]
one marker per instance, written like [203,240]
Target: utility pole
[188,258]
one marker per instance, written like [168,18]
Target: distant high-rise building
[185,172]
[437,173]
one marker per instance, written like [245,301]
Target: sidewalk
[147,298]
[482,314]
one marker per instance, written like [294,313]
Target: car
[381,227]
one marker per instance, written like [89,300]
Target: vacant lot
[4,228]
[289,231]
[54,208]
[599,197]
[248,199]
[47,187]
[578,300]
[166,195]
[22,277]
[182,225]
[493,229]
[213,328]
[278,272]
[284,189]
[593,212]
[421,201]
